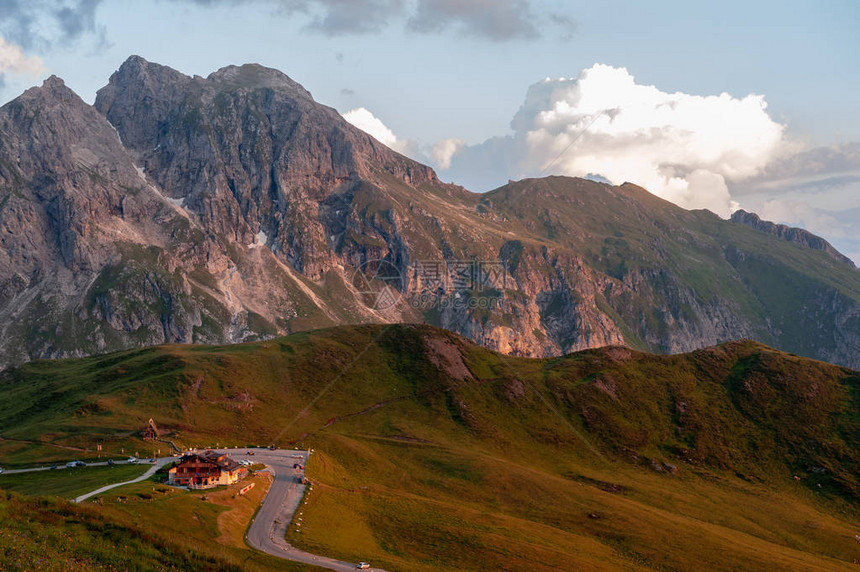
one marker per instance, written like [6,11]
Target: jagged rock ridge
[789,233]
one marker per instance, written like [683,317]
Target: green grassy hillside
[69,483]
[54,535]
[435,454]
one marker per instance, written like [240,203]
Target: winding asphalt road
[152,468]
[62,466]
[268,529]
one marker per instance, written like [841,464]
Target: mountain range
[234,208]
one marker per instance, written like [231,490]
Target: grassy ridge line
[629,235]
[739,406]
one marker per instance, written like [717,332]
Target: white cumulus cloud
[681,147]
[372,125]
[14,61]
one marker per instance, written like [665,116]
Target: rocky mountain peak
[255,76]
[249,151]
[148,103]
[50,129]
[136,67]
[53,91]
[54,84]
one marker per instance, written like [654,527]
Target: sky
[722,106]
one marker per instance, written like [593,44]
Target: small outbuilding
[151,431]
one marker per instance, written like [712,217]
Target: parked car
[132,460]
[110,462]
[362,565]
[71,464]
[80,464]
[250,453]
[152,460]
[53,467]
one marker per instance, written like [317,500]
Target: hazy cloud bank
[42,24]
[491,19]
[14,61]
[494,20]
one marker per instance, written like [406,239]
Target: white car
[362,565]
[132,460]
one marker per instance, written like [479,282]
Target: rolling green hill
[433,453]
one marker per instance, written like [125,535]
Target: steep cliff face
[95,256]
[78,221]
[233,207]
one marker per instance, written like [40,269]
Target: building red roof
[220,460]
